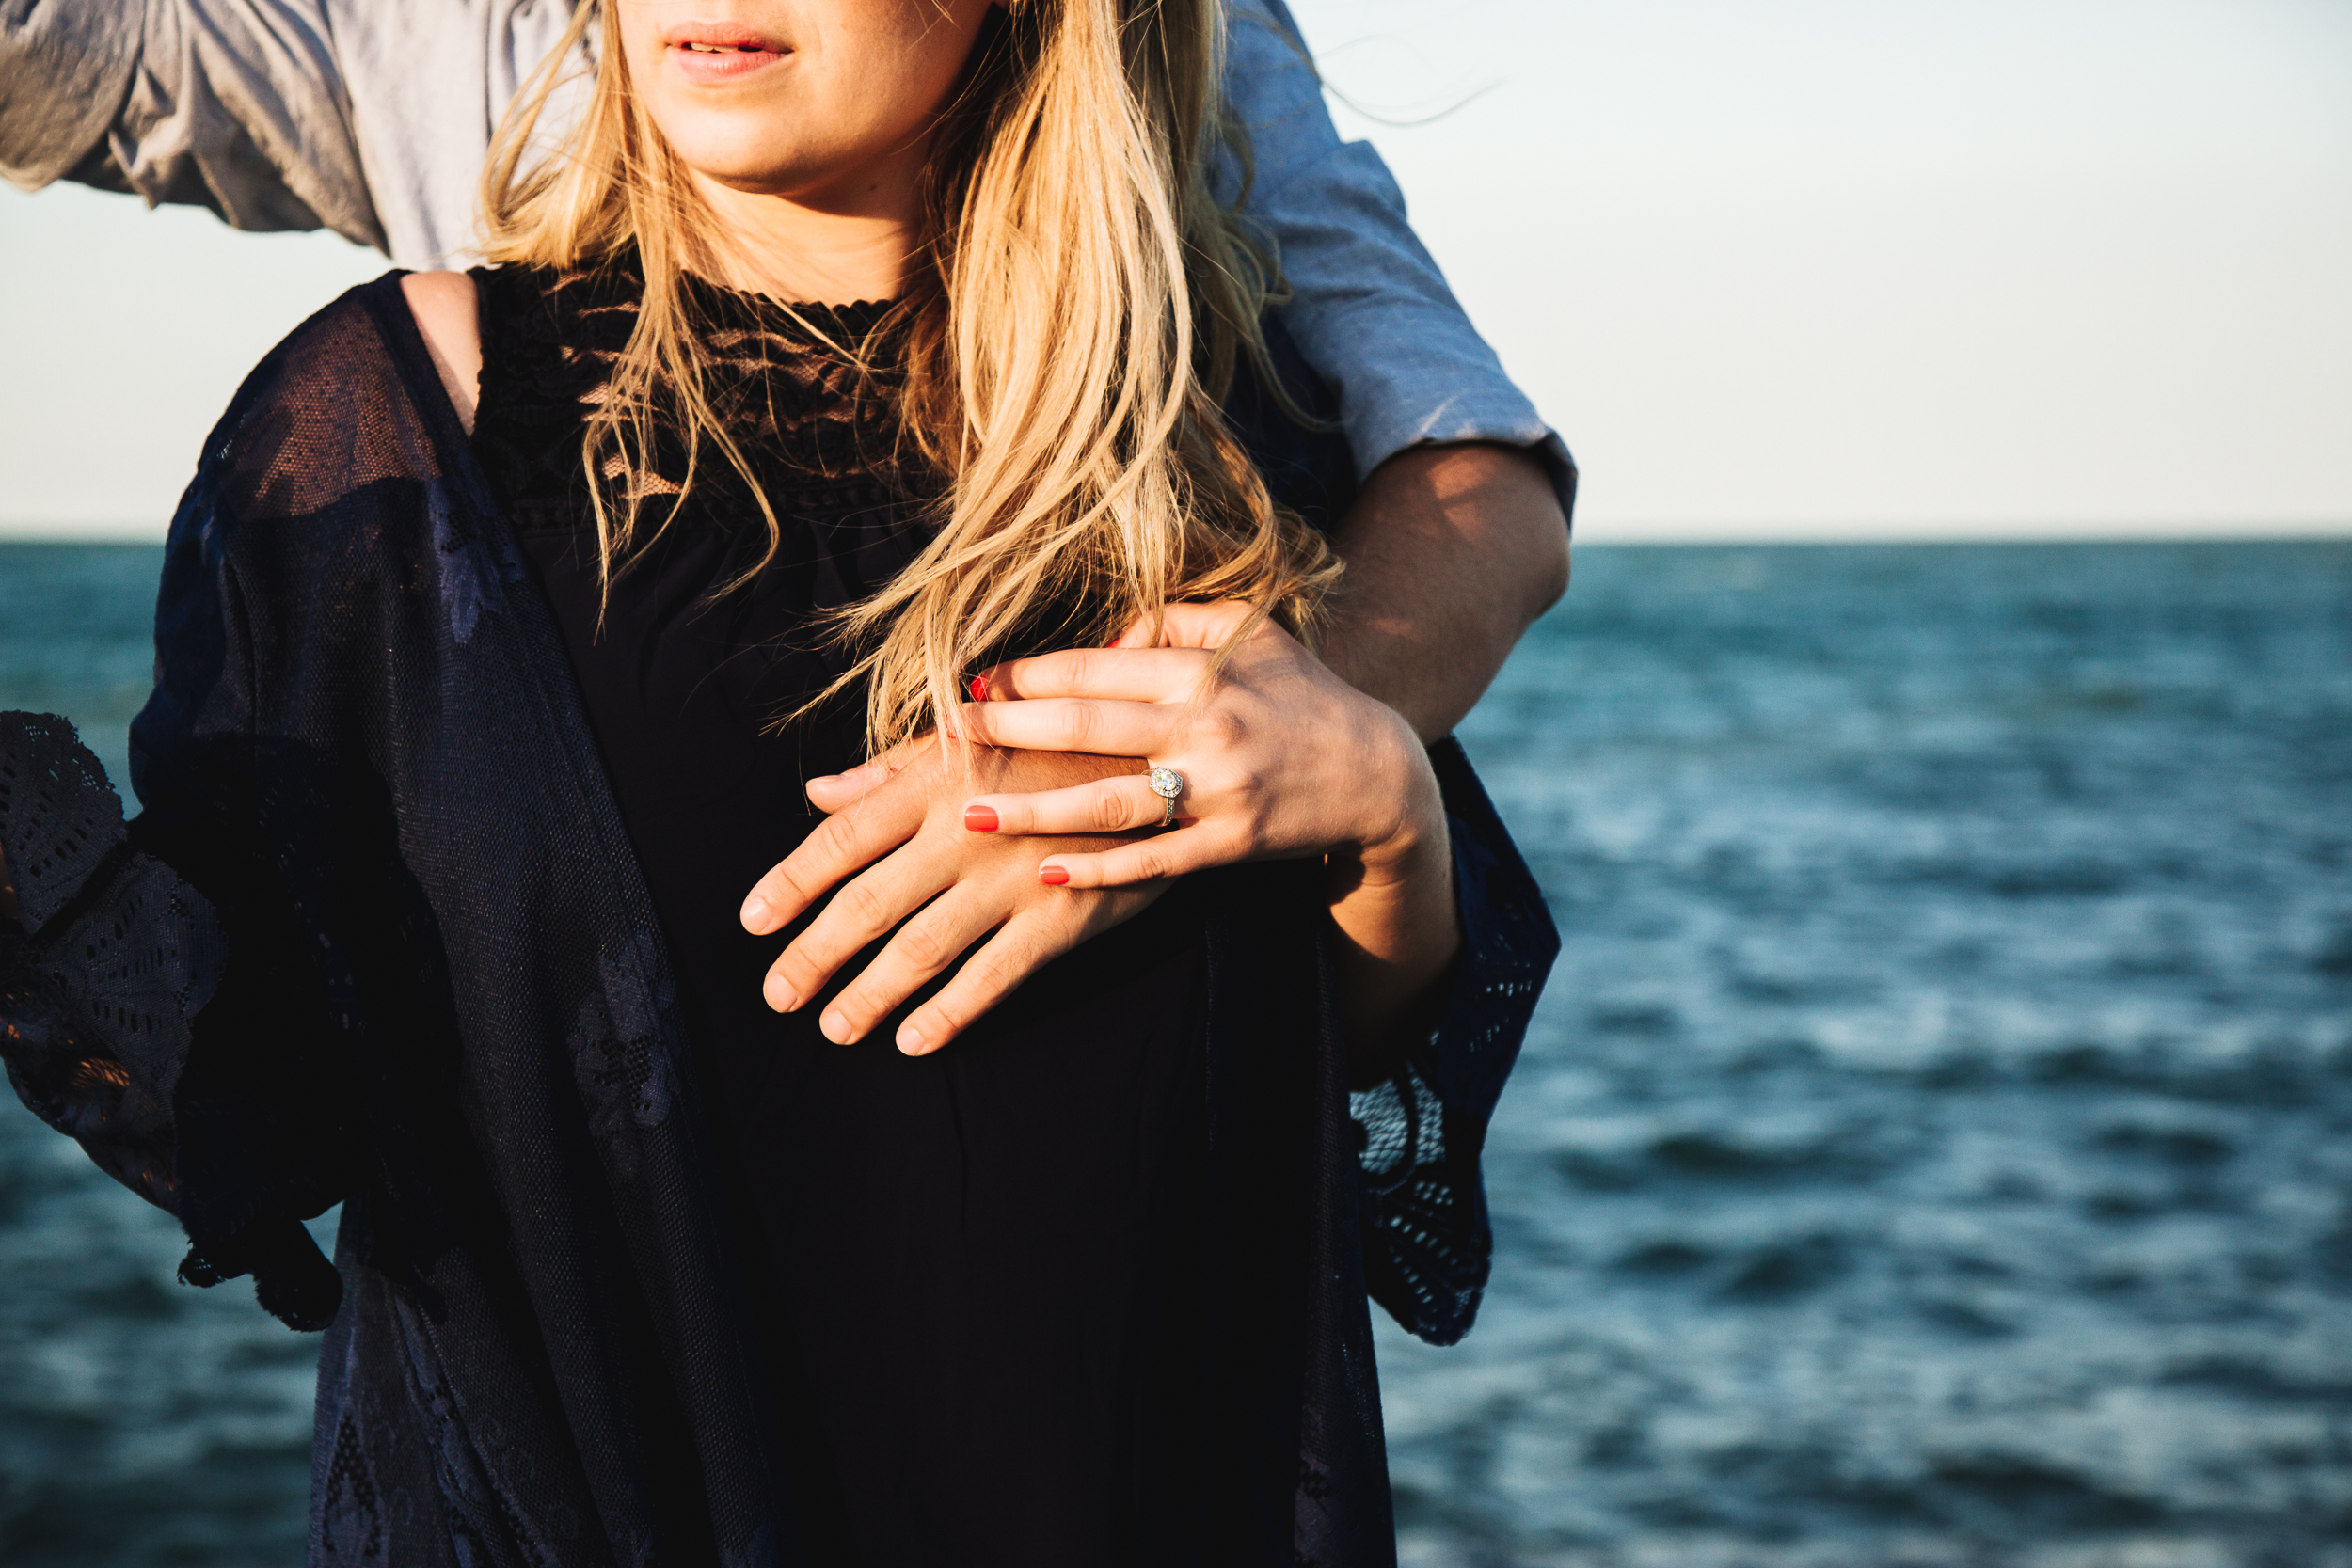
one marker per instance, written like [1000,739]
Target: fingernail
[1052,876]
[981,819]
[911,1040]
[755,912]
[836,1024]
[780,995]
[979,689]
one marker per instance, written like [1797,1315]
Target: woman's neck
[848,242]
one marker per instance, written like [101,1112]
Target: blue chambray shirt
[1372,312]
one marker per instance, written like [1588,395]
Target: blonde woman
[506,619]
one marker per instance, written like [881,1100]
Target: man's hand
[901,818]
[1281,758]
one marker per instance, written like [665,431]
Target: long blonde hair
[1073,319]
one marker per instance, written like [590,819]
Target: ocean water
[1935,1148]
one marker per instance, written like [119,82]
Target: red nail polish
[1052,876]
[981,819]
[979,689]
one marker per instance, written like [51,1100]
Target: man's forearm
[1451,551]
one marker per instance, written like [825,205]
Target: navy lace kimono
[379,938]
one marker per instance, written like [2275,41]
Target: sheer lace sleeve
[115,955]
[156,1004]
[1421,1125]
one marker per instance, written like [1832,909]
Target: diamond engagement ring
[1166,784]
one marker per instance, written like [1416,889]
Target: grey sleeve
[65,68]
[237,105]
[429,80]
[1370,312]
[371,118]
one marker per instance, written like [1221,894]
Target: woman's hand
[899,817]
[1281,758]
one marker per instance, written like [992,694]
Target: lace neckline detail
[853,322]
[807,391]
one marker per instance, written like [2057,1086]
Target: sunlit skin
[805,124]
[810,148]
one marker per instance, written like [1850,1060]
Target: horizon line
[1613,535]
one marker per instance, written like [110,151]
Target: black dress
[628,1274]
[973,1264]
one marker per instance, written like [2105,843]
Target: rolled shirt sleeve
[237,105]
[1370,312]
[65,68]
[365,117]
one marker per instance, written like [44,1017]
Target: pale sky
[1811,269]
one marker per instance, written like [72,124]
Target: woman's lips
[711,53]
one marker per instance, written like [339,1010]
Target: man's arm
[1451,553]
[64,71]
[232,104]
[371,118]
[1459,536]
[1370,310]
